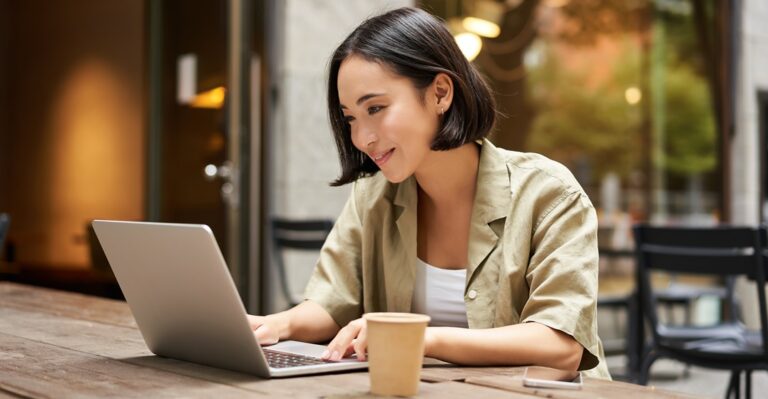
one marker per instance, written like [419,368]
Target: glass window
[621,92]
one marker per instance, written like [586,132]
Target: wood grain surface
[56,344]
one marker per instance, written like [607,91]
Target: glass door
[200,109]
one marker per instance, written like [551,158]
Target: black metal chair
[722,252]
[302,235]
[5,223]
[617,304]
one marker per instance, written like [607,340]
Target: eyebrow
[365,97]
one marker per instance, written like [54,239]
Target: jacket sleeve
[563,271]
[335,283]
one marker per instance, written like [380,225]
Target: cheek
[411,127]
[390,126]
[401,124]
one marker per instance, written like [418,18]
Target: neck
[448,177]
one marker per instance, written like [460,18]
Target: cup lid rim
[397,317]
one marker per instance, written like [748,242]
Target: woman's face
[388,120]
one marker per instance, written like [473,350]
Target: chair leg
[688,322]
[732,383]
[730,387]
[635,336]
[648,360]
[748,384]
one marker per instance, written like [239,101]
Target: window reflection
[623,93]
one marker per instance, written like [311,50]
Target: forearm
[307,322]
[520,344]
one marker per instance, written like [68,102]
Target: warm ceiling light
[470,44]
[633,95]
[485,18]
[481,27]
[556,3]
[213,98]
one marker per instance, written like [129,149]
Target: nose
[366,136]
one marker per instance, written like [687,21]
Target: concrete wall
[752,76]
[75,75]
[304,158]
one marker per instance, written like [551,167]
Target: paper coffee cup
[395,352]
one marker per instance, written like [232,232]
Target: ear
[442,89]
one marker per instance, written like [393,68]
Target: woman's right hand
[307,322]
[265,329]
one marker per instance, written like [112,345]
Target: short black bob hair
[416,45]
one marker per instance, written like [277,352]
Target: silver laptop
[187,307]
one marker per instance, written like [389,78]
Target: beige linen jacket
[532,251]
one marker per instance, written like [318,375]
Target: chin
[394,177]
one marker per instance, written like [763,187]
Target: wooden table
[55,344]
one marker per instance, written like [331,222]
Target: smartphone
[543,377]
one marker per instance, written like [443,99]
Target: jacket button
[472,294]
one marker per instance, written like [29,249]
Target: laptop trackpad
[304,348]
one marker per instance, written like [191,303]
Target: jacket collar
[491,204]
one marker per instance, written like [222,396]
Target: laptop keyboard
[281,360]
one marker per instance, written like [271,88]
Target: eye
[348,118]
[374,109]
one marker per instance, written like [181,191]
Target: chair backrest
[5,222]
[715,251]
[304,235]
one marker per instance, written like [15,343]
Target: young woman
[498,247]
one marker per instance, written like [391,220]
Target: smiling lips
[382,157]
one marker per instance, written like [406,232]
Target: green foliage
[690,127]
[575,120]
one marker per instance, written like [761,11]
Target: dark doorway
[204,128]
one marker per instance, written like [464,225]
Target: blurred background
[214,112]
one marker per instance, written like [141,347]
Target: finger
[338,347]
[350,349]
[255,321]
[361,343]
[265,336]
[340,343]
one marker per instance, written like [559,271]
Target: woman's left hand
[350,339]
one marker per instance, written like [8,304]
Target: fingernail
[336,355]
[324,355]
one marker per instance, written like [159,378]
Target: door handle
[230,188]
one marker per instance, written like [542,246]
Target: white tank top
[439,293]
